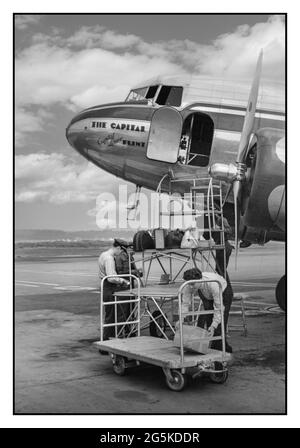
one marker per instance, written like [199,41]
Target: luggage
[190,239]
[159,238]
[142,240]
[174,238]
[193,339]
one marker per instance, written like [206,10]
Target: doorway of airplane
[196,140]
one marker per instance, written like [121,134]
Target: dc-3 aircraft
[192,127]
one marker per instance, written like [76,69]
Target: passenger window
[170,96]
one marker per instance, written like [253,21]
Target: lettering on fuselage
[98,124]
[119,126]
[133,143]
[111,140]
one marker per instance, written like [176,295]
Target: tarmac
[58,370]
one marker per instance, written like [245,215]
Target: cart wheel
[218,378]
[119,365]
[178,381]
[154,330]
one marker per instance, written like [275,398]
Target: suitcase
[193,339]
[142,240]
[159,238]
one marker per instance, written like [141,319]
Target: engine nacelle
[265,203]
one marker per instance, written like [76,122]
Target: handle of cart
[135,312]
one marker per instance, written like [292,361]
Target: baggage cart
[176,363]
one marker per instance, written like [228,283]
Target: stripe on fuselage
[232,118]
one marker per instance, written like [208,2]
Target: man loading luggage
[209,294]
[220,266]
[125,265]
[106,264]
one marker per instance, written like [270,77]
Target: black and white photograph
[150,213]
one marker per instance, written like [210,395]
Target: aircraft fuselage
[115,138]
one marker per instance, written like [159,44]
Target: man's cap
[120,243]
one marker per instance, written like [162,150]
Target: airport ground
[57,369]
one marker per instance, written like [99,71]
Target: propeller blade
[242,150]
[250,111]
[229,188]
[237,174]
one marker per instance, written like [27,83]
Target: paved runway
[58,371]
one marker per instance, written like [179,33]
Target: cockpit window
[170,96]
[137,94]
[151,92]
[142,93]
[162,95]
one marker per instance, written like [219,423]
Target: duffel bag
[173,239]
[142,240]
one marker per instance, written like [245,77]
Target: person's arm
[133,265]
[187,295]
[111,270]
[214,290]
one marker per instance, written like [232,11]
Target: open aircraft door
[165,134]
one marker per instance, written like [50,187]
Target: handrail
[115,302]
[161,181]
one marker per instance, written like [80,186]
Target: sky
[64,63]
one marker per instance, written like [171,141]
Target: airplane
[192,127]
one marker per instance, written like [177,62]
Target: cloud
[229,54]
[98,36]
[96,95]
[28,121]
[96,65]
[25,121]
[235,54]
[47,74]
[58,179]
[22,21]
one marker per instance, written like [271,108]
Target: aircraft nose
[76,133]
[67,132]
[110,127]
